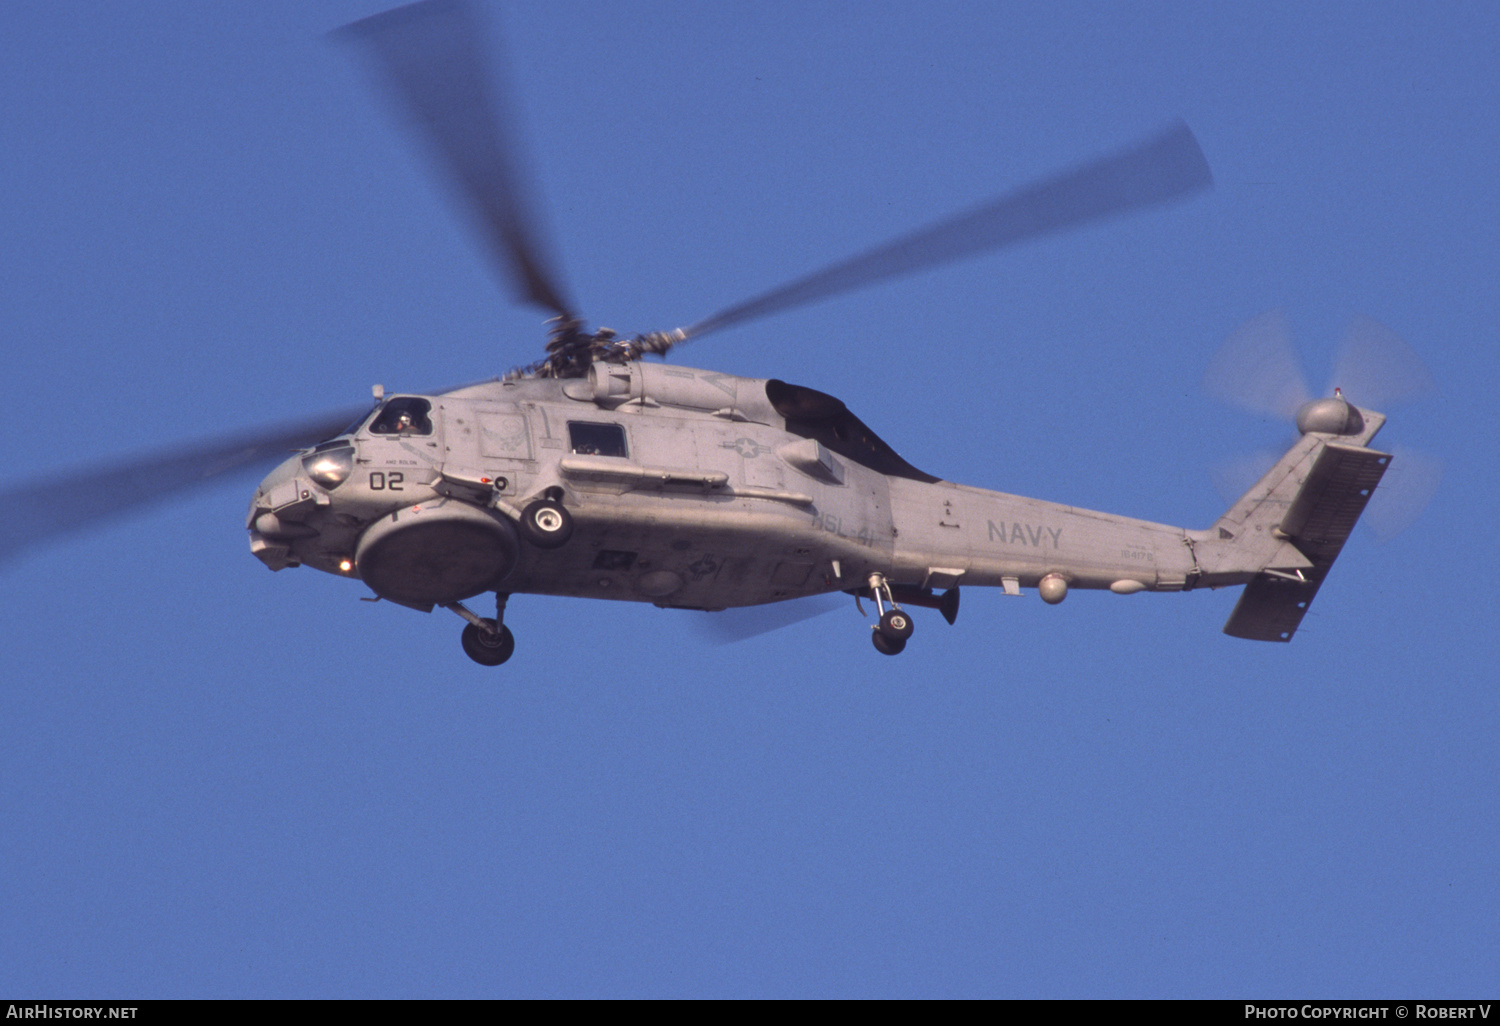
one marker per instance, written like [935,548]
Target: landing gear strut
[487,642]
[895,627]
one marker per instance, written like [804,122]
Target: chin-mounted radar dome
[1333,416]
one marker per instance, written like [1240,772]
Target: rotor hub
[1331,416]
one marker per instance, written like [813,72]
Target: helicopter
[593,473]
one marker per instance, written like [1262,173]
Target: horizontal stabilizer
[1271,608]
[1318,522]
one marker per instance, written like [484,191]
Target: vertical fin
[1317,523]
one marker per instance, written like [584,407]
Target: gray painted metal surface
[693,489]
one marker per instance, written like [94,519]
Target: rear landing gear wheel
[886,646]
[895,626]
[490,646]
[546,524]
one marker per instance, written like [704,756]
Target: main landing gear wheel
[490,645]
[546,524]
[895,626]
[894,629]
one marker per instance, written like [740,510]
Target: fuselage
[687,488]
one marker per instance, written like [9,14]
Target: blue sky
[217,781]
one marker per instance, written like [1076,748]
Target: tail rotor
[1257,370]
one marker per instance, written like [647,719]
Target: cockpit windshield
[403,415]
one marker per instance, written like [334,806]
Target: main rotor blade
[430,55]
[46,508]
[744,622]
[1162,168]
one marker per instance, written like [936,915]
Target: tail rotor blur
[1377,369]
[1257,370]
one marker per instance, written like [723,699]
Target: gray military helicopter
[595,474]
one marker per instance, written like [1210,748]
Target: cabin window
[596,439]
[403,415]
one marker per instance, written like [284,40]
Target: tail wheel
[490,646]
[896,626]
[886,646]
[546,524]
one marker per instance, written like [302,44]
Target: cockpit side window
[403,415]
[596,439]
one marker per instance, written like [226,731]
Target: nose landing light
[329,467]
